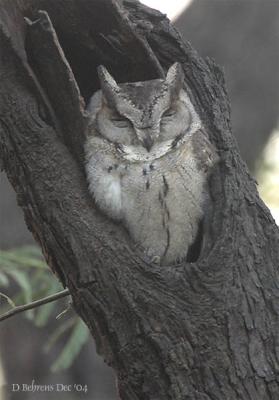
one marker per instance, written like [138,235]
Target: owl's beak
[148,142]
[146,136]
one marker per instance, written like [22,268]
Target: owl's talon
[156,260]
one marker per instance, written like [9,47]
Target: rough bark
[200,331]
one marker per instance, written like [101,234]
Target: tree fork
[200,331]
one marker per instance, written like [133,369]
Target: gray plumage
[148,160]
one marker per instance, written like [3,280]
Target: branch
[34,304]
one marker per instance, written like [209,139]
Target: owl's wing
[206,155]
[94,105]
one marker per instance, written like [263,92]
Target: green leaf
[33,251]
[4,281]
[9,300]
[58,333]
[23,281]
[72,348]
[5,263]
[41,280]
[9,257]
[16,263]
[44,312]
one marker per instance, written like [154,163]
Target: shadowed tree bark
[198,331]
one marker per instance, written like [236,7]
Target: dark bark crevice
[203,330]
[42,45]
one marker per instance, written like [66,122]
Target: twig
[34,304]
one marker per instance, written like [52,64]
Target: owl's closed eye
[145,114]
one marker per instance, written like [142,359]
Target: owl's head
[145,114]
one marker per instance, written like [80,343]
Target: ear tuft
[108,84]
[175,78]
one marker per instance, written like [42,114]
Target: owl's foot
[151,259]
[156,260]
[148,257]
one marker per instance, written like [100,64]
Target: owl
[148,160]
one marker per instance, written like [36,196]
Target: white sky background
[170,7]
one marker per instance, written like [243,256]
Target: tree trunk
[198,331]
